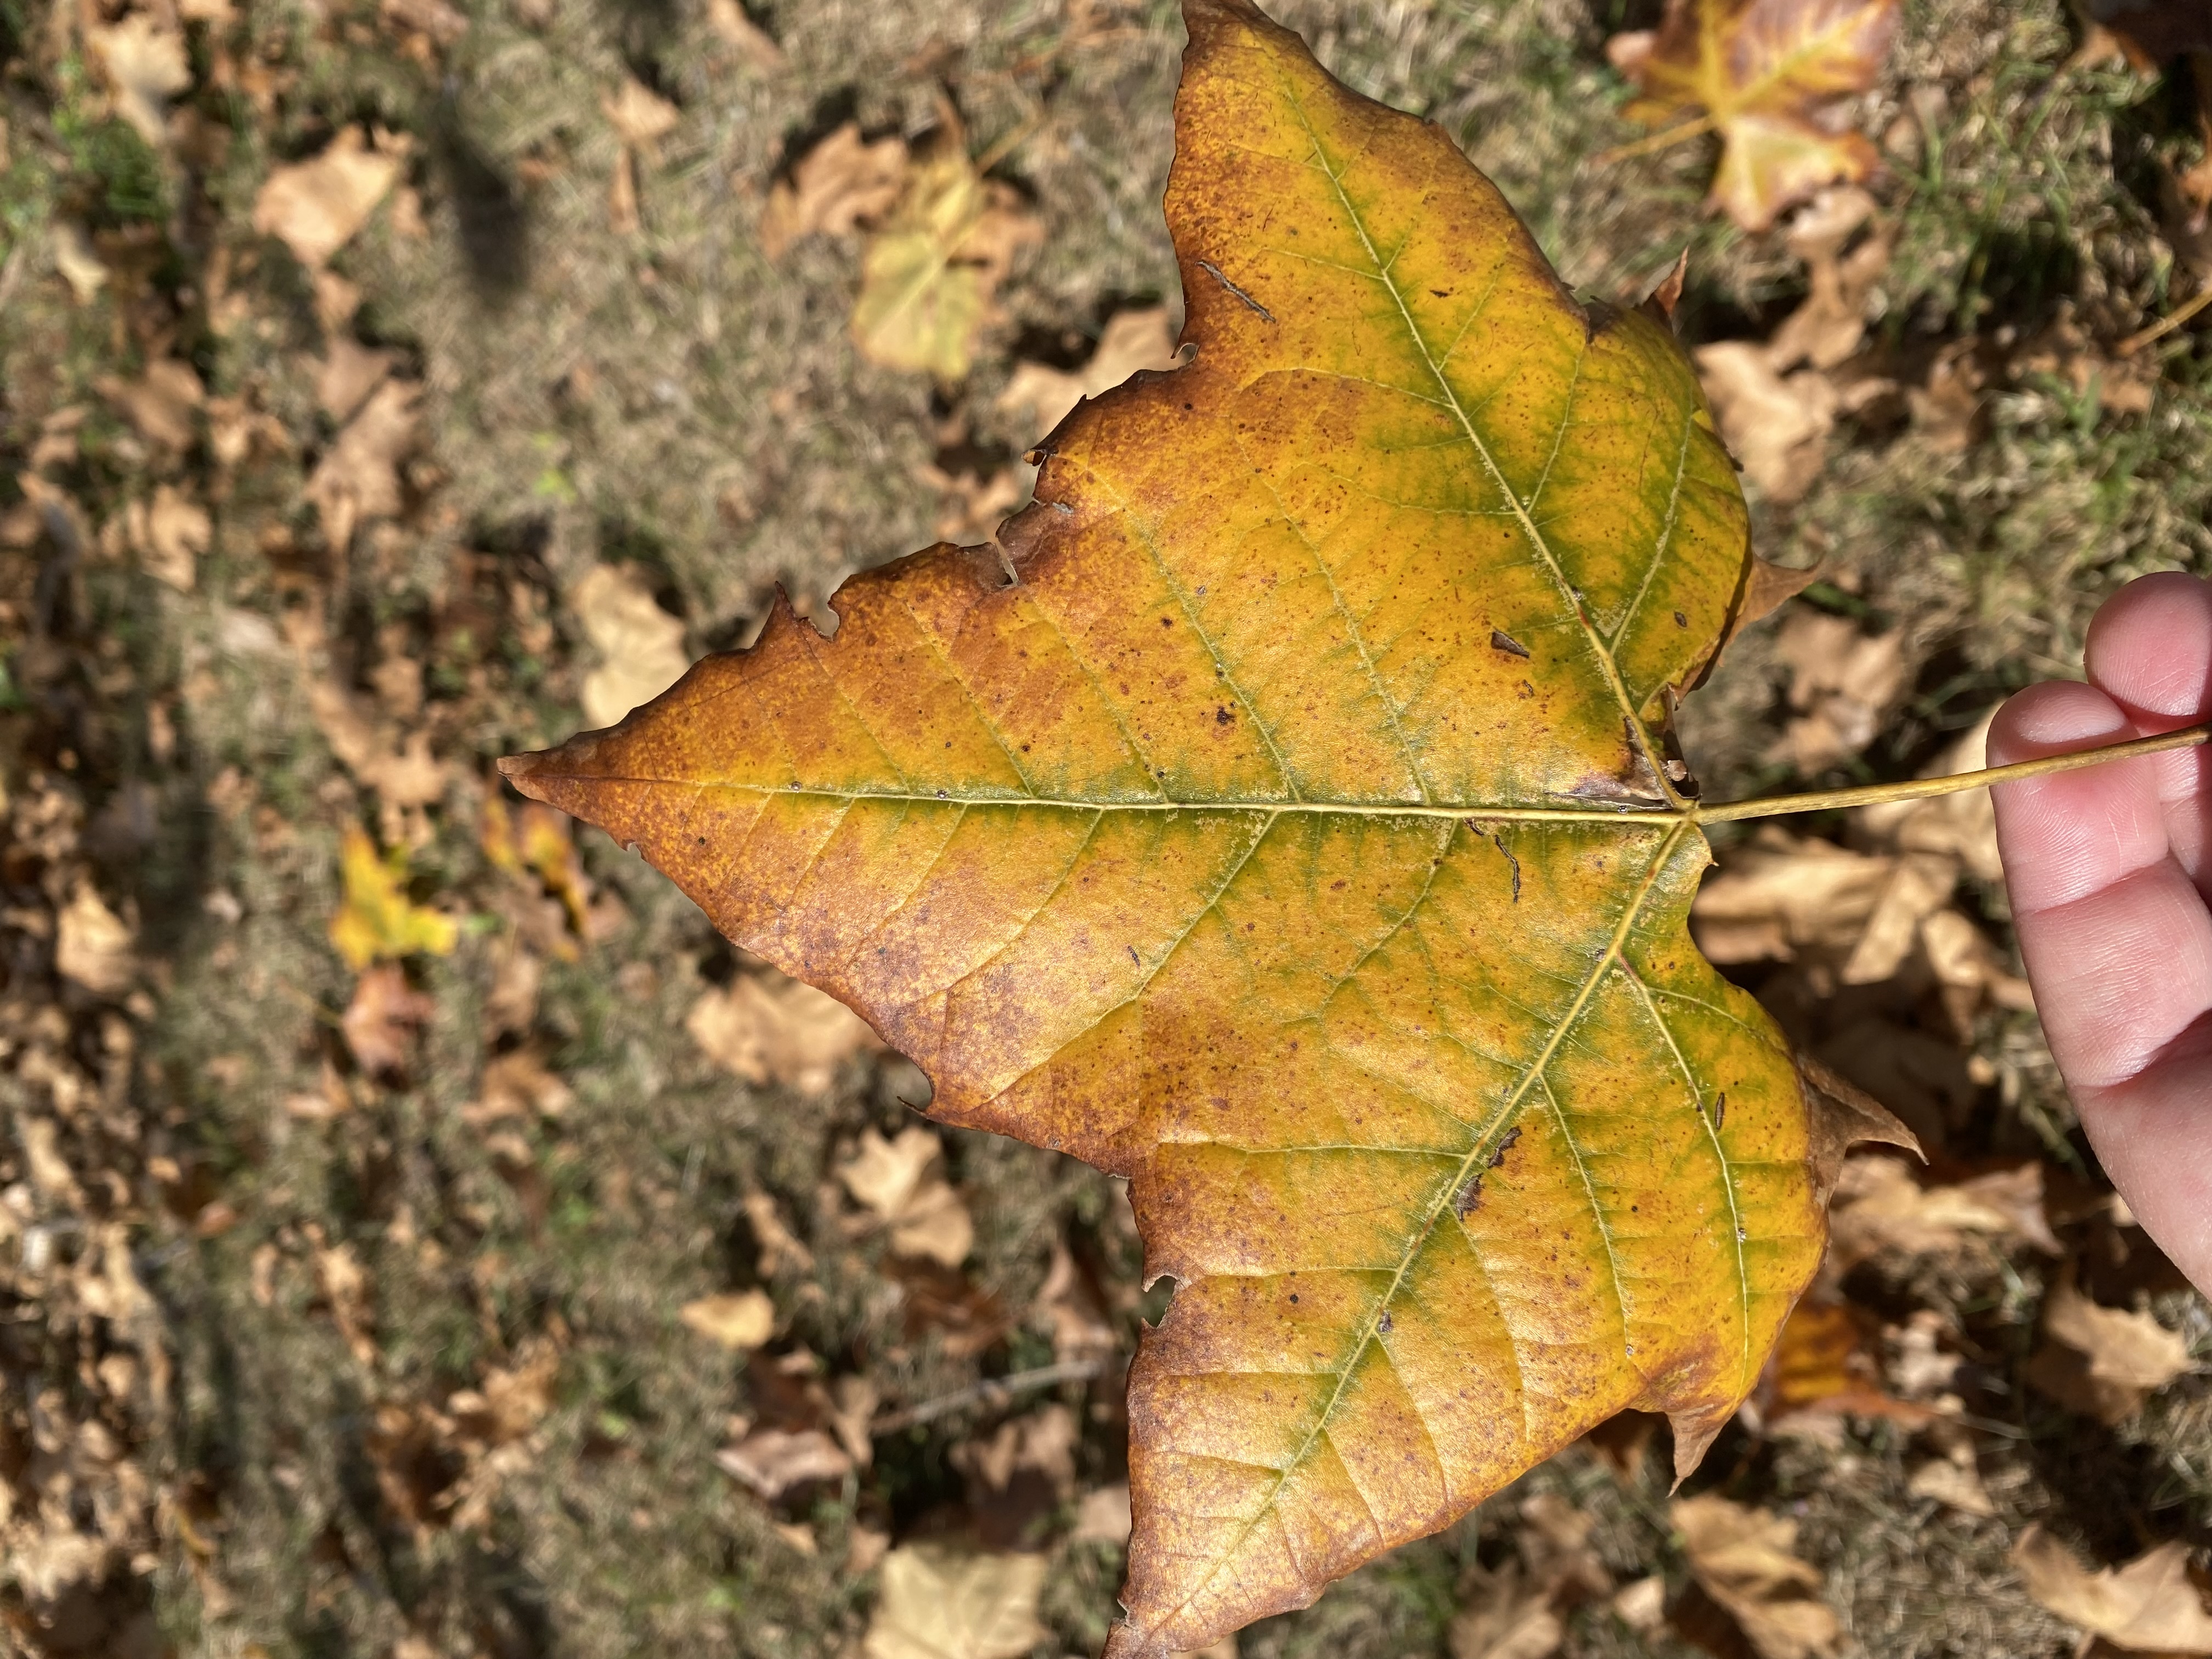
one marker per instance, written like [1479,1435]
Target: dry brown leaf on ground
[513,1400]
[535,841]
[92,945]
[1770,77]
[1516,1612]
[774,1461]
[727,19]
[144,64]
[358,477]
[778,1246]
[1953,1481]
[1842,681]
[1776,425]
[398,766]
[1824,1368]
[975,504]
[76,262]
[517,1085]
[1746,1560]
[315,206]
[343,1285]
[641,117]
[640,645]
[2149,1606]
[380,1021]
[930,278]
[348,372]
[1069,1305]
[1132,340]
[2103,1362]
[1881,1211]
[162,404]
[768,1029]
[738,1320]
[1506,1616]
[2063,350]
[895,1179]
[170,533]
[1019,1473]
[1102,1516]
[1826,330]
[938,1601]
[1782,895]
[844,182]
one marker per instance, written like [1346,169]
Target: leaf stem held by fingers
[1876,794]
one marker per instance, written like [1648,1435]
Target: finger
[2150,650]
[2154,1136]
[2115,935]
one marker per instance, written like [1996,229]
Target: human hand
[2109,868]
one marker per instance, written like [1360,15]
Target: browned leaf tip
[1842,1115]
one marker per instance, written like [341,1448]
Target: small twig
[2159,331]
[1820,800]
[991,1392]
[1658,141]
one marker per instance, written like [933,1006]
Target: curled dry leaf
[937,1600]
[1337,902]
[768,1029]
[1133,341]
[377,922]
[1770,77]
[930,276]
[640,645]
[2103,1362]
[738,1320]
[843,183]
[1747,1561]
[2149,1606]
[894,1179]
[315,206]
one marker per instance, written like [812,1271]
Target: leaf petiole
[1820,801]
[1658,141]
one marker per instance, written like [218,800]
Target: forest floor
[385,384]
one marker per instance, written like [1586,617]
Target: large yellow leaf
[1286,837]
